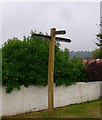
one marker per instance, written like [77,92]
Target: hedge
[25,62]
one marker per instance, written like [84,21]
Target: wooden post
[51,72]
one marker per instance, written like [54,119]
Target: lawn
[83,110]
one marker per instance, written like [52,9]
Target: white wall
[36,98]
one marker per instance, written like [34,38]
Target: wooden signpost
[53,39]
[51,71]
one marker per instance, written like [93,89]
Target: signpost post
[53,39]
[51,71]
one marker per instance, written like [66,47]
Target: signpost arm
[51,72]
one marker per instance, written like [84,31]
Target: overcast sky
[79,19]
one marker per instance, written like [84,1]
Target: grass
[83,110]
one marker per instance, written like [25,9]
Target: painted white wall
[35,98]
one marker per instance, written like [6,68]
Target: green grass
[83,110]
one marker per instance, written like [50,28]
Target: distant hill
[81,54]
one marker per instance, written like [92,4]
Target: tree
[99,43]
[25,62]
[96,53]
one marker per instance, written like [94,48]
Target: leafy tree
[99,43]
[96,53]
[25,62]
[72,71]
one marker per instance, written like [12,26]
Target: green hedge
[25,62]
[72,71]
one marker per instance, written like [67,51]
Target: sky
[79,19]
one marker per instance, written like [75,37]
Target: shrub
[96,53]
[94,71]
[72,71]
[25,62]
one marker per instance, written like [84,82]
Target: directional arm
[49,37]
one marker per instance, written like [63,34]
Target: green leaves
[97,53]
[99,35]
[70,70]
[99,43]
[25,62]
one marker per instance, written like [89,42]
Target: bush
[25,62]
[94,71]
[96,53]
[72,71]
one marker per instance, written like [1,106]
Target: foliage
[71,71]
[99,43]
[99,39]
[94,71]
[25,62]
[99,35]
[96,54]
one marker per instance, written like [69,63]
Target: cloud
[78,19]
